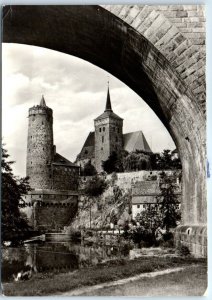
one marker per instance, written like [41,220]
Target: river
[57,258]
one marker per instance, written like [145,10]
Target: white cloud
[76,91]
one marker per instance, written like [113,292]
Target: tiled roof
[60,160]
[135,141]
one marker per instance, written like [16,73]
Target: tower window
[118,130]
[100,129]
[42,122]
[116,139]
[102,139]
[103,128]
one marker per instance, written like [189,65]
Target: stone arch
[140,46]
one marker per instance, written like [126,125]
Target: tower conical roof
[42,101]
[108,109]
[108,106]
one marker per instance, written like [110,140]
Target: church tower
[108,134]
[40,151]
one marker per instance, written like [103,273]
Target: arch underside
[96,35]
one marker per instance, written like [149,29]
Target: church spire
[42,101]
[108,106]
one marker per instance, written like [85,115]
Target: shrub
[183,250]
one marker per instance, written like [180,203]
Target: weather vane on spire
[108,81]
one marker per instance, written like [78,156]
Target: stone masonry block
[155,26]
[172,32]
[181,14]
[141,16]
[148,21]
[163,29]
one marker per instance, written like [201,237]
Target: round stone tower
[40,151]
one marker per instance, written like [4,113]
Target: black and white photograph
[104,164]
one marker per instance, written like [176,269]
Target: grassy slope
[190,282]
[42,284]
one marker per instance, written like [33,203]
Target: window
[114,128]
[118,130]
[116,139]
[138,206]
[100,129]
[103,128]
[86,151]
[102,139]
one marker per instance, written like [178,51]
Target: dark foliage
[95,187]
[88,170]
[13,188]
[165,161]
[168,201]
[113,163]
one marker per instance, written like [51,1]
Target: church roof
[135,141]
[108,102]
[62,161]
[132,141]
[108,113]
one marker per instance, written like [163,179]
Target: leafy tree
[165,161]
[89,169]
[94,188]
[113,163]
[136,161]
[13,188]
[150,220]
[168,201]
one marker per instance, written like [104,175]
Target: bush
[183,250]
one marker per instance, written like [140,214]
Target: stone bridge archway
[161,61]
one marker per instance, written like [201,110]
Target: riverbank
[54,284]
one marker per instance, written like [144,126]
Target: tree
[136,161]
[165,161]
[94,188]
[113,163]
[89,169]
[13,188]
[150,221]
[168,201]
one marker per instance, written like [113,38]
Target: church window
[42,122]
[118,130]
[103,128]
[116,139]
[100,129]
[102,139]
[138,206]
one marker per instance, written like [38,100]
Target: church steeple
[42,101]
[108,106]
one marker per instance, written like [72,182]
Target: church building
[108,137]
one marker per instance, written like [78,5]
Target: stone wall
[65,177]
[50,210]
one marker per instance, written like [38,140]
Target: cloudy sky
[76,91]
